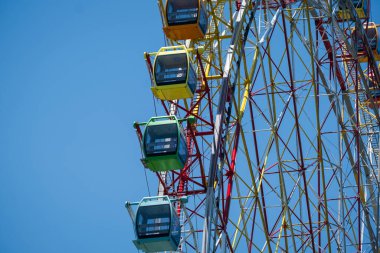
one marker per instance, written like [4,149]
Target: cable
[146,180]
[155,107]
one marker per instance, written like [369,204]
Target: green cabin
[164,144]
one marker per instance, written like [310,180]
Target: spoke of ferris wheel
[219,118]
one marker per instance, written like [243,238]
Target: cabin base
[156,244]
[163,163]
[364,58]
[183,32]
[344,15]
[172,92]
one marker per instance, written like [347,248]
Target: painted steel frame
[230,217]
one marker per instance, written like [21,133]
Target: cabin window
[357,41]
[371,35]
[161,139]
[153,221]
[170,69]
[181,12]
[357,3]
[182,150]
[192,80]
[375,91]
[203,20]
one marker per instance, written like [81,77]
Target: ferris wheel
[267,137]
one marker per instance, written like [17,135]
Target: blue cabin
[157,225]
[375,92]
[374,89]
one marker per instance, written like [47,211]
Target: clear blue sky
[72,81]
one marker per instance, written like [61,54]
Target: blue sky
[72,81]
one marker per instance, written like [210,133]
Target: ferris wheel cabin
[361,8]
[185,19]
[164,144]
[173,74]
[157,225]
[374,91]
[372,34]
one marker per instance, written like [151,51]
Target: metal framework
[284,146]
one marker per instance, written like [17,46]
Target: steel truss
[284,148]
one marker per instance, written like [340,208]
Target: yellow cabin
[361,8]
[173,74]
[185,19]
[372,33]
